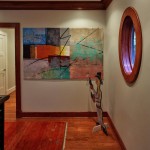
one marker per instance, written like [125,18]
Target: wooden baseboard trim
[116,133]
[9,91]
[58,114]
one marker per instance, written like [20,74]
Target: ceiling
[54,5]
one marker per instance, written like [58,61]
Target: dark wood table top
[3,98]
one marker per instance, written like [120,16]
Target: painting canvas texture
[62,53]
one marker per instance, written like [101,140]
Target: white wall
[129,107]
[55,96]
[10,83]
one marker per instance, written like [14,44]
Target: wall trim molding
[59,114]
[116,132]
[10,90]
[54,5]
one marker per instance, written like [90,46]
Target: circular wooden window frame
[129,20]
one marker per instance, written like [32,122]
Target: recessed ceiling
[54,5]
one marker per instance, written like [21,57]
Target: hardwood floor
[10,107]
[34,135]
[79,131]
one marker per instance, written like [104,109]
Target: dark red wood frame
[129,19]
[16,26]
[54,5]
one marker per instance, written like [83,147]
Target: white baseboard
[11,90]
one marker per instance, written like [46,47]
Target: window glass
[133,47]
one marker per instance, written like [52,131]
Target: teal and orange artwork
[62,53]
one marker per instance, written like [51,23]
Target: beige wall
[11,59]
[55,96]
[129,107]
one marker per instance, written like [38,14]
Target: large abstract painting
[62,53]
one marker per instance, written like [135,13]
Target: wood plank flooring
[34,135]
[10,108]
[79,132]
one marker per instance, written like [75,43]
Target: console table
[3,98]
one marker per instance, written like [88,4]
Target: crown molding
[106,3]
[54,5]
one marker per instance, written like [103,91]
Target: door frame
[16,26]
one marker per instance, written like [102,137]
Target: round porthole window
[130,45]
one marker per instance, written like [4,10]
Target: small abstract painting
[62,53]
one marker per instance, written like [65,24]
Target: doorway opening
[16,27]
[7,70]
